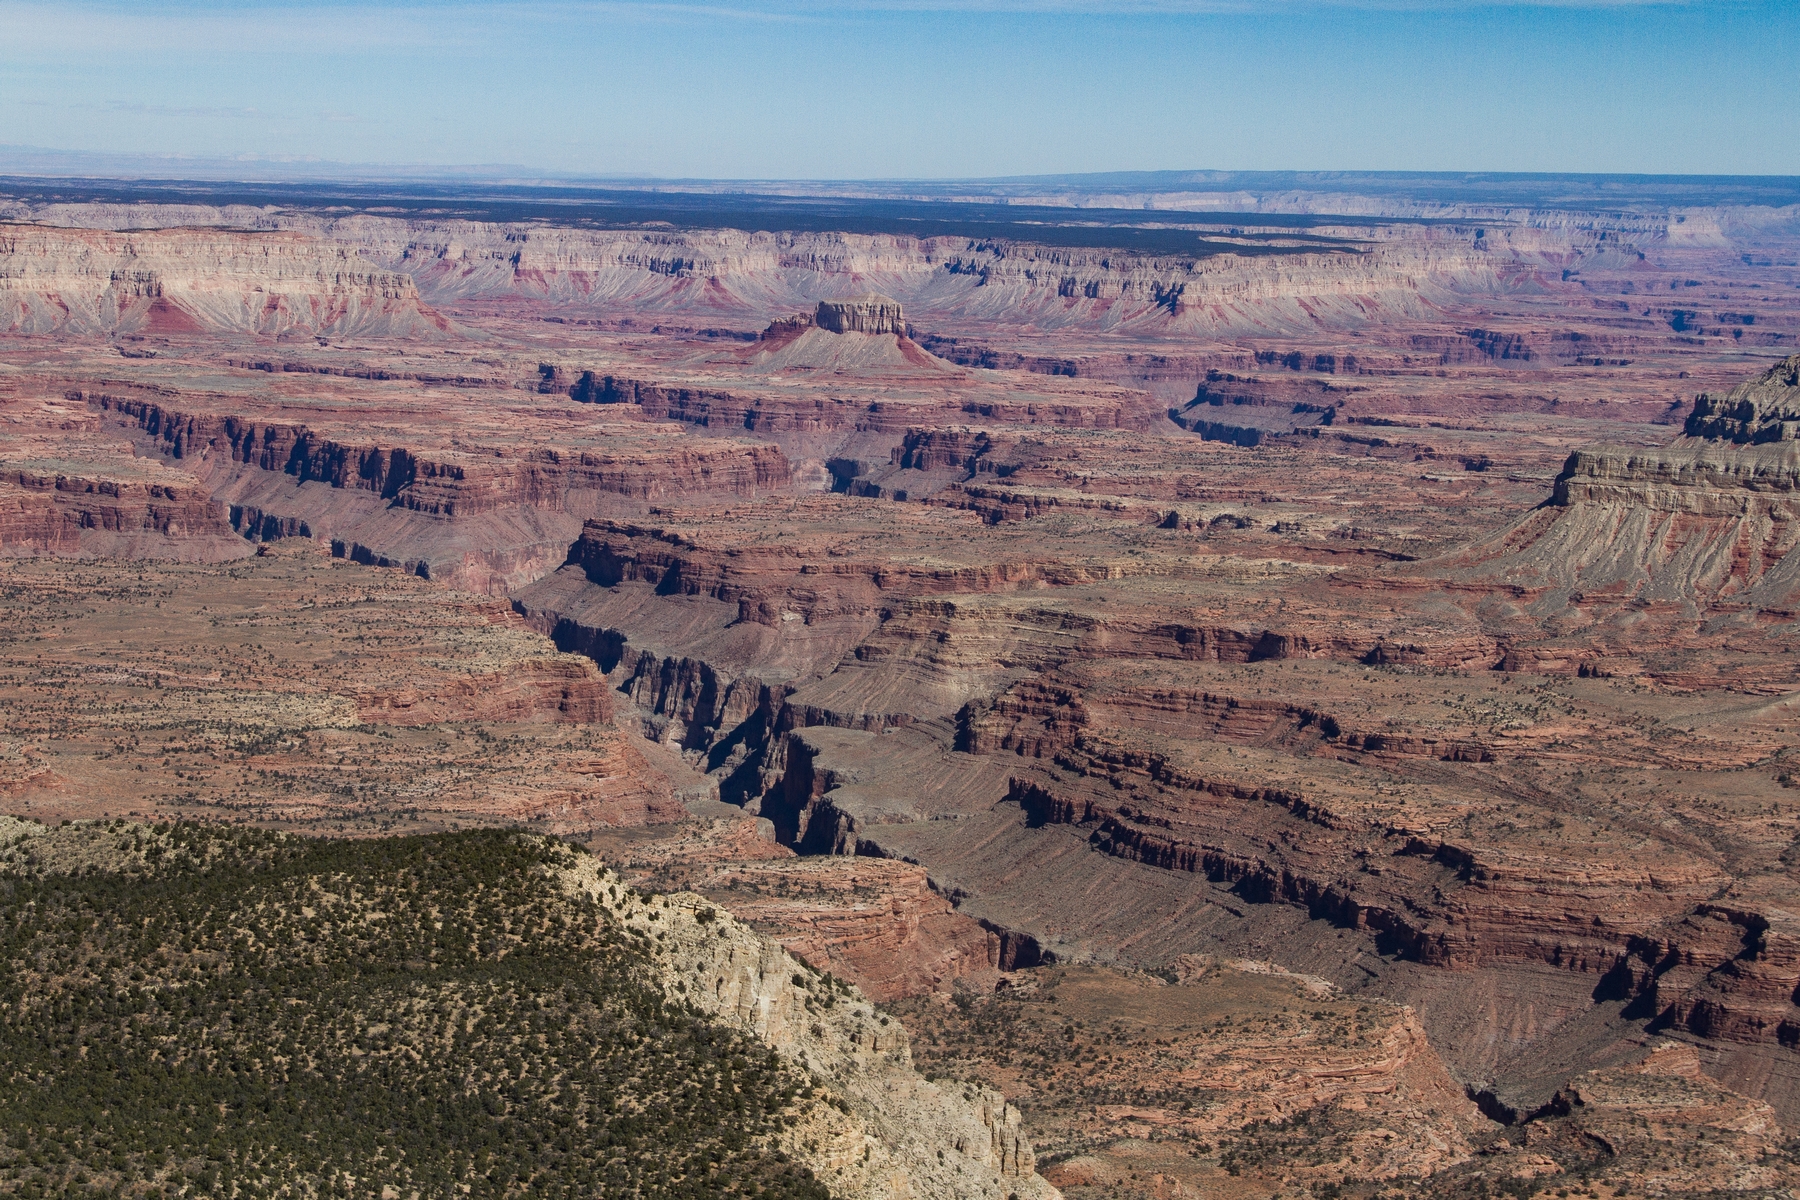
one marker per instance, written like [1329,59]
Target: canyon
[1357,654]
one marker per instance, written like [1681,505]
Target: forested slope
[196,1011]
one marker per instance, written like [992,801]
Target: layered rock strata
[901,1135]
[189,281]
[485,517]
[874,922]
[1184,1074]
[1656,1125]
[775,414]
[865,314]
[1757,411]
[1112,691]
[1439,837]
[69,487]
[53,508]
[1708,523]
[718,271]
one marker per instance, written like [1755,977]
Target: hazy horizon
[45,162]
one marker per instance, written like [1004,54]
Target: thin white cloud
[34,27]
[185,110]
[138,109]
[35,33]
[30,27]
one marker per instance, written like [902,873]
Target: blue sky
[918,88]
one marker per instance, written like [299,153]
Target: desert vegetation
[1214,1081]
[297,691]
[192,1011]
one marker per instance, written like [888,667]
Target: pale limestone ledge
[904,1138]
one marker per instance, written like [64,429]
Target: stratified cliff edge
[304,274]
[900,1136]
[238,1010]
[1709,521]
[77,281]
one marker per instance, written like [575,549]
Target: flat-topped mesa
[1712,518]
[1746,440]
[1764,409]
[863,314]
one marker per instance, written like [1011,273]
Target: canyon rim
[1134,687]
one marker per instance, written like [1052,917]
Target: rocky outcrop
[1764,409]
[1707,523]
[1654,1126]
[82,510]
[1435,900]
[1042,717]
[407,480]
[864,314]
[783,330]
[70,487]
[767,580]
[1702,478]
[1199,1062]
[892,1134]
[874,922]
[774,414]
[955,281]
[877,923]
[1695,528]
[1730,970]
[565,688]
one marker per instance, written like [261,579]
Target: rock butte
[1366,663]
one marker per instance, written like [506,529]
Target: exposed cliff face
[1171,1078]
[1710,520]
[312,278]
[776,415]
[85,513]
[948,280]
[1729,970]
[1442,844]
[483,519]
[1764,409]
[876,923]
[451,488]
[69,281]
[865,314]
[1435,901]
[71,488]
[1283,789]
[1703,477]
[899,1136]
[1277,804]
